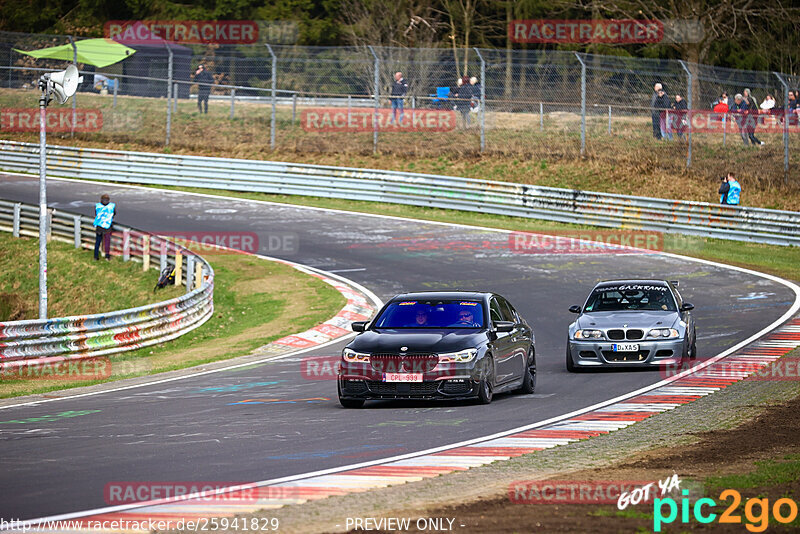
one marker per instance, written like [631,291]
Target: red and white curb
[682,389]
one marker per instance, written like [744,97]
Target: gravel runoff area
[479,500]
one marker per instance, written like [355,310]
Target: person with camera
[729,190]
[204,80]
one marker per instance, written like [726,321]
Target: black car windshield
[630,297]
[431,314]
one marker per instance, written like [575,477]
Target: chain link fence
[528,103]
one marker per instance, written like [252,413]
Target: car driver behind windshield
[421,317]
[466,317]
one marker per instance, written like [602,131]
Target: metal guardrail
[100,334]
[548,203]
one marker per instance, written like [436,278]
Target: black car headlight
[353,356]
[458,357]
[662,333]
[589,334]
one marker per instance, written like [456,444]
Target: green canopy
[97,52]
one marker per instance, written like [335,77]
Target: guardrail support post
[116,85]
[233,99]
[15,227]
[189,271]
[162,260]
[76,230]
[145,252]
[169,94]
[583,104]
[377,83]
[198,275]
[785,128]
[482,112]
[178,267]
[274,89]
[294,107]
[126,245]
[689,114]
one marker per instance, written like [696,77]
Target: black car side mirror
[687,306]
[359,326]
[575,309]
[503,326]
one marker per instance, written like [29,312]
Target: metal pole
[116,85]
[481,112]
[689,114]
[377,101]
[349,101]
[162,255]
[76,230]
[274,89]
[175,97]
[233,98]
[189,272]
[785,126]
[74,97]
[583,104]
[126,245]
[541,117]
[169,91]
[609,120]
[43,200]
[294,107]
[724,128]
[15,224]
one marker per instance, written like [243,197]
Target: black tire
[571,367]
[486,385]
[693,349]
[529,378]
[349,403]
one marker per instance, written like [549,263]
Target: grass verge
[255,301]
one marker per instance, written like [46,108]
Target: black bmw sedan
[439,345]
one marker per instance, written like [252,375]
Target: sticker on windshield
[632,288]
[467,303]
[409,303]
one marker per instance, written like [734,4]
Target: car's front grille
[402,388]
[638,356]
[404,363]
[617,334]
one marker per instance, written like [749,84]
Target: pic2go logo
[758,521]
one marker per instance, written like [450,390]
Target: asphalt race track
[197,429]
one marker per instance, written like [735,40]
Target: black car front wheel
[571,367]
[529,376]
[486,385]
[349,403]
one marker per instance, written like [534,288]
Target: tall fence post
[175,97]
[189,271]
[169,94]
[126,244]
[116,87]
[609,120]
[689,114]
[162,256]
[583,104]
[145,252]
[377,81]
[233,99]
[76,230]
[15,227]
[785,126]
[294,108]
[274,89]
[482,111]
[541,116]
[74,97]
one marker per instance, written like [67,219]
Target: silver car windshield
[630,298]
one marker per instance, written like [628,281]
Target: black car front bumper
[444,388]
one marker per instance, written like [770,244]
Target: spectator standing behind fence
[739,110]
[729,190]
[792,106]
[655,114]
[463,97]
[752,117]
[681,119]
[475,95]
[203,79]
[399,90]
[104,212]
[663,105]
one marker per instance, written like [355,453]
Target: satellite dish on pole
[64,83]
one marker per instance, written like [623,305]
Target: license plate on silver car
[625,347]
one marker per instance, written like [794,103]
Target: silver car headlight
[458,357]
[353,356]
[662,333]
[589,334]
